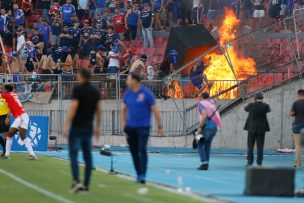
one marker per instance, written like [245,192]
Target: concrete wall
[280,100]
[231,135]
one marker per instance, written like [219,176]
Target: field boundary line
[35,187]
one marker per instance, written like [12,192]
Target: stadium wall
[231,136]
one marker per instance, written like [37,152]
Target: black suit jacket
[257,121]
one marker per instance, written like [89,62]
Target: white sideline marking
[35,187]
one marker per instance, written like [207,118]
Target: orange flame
[175,90]
[219,68]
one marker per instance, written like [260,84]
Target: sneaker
[4,157]
[76,187]
[203,167]
[32,157]
[83,190]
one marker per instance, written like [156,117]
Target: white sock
[8,146]
[28,146]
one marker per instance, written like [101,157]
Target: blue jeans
[81,138]
[148,36]
[205,148]
[137,141]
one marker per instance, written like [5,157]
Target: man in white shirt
[20,40]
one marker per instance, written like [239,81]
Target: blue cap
[14,54]
[173,52]
[64,49]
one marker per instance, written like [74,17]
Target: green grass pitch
[53,176]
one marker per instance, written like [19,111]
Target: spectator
[100,20]
[18,15]
[32,59]
[150,73]
[146,22]
[7,4]
[248,12]
[67,11]
[46,4]
[83,6]
[111,38]
[289,7]
[102,60]
[139,66]
[66,63]
[98,36]
[118,22]
[169,13]
[131,22]
[55,60]
[3,21]
[55,8]
[100,6]
[114,60]
[75,34]
[37,40]
[8,30]
[157,6]
[186,11]
[26,7]
[44,65]
[20,40]
[197,9]
[85,40]
[92,9]
[65,37]
[274,10]
[46,33]
[259,12]
[107,17]
[211,15]
[56,29]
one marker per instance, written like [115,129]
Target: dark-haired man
[78,127]
[297,111]
[137,125]
[256,125]
[20,124]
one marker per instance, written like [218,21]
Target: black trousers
[259,139]
[138,140]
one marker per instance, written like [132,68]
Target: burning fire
[219,68]
[175,90]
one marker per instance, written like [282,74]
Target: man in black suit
[256,125]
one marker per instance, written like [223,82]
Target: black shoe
[203,167]
[83,190]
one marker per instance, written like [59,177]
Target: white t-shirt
[20,42]
[83,4]
[197,3]
[113,61]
